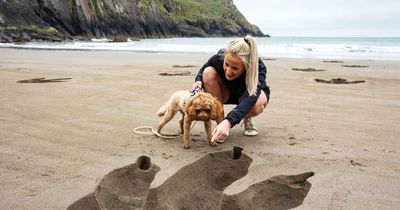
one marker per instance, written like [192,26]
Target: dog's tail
[162,110]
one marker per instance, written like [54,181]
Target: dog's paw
[187,146]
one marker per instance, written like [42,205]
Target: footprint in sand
[199,185]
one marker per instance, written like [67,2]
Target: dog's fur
[200,107]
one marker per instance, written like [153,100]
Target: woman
[236,75]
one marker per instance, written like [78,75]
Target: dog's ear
[217,109]
[190,109]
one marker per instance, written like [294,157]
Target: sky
[324,18]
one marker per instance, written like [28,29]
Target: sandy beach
[58,139]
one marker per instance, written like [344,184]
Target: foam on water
[303,47]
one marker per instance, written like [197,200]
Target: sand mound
[199,185]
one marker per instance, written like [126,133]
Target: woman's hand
[221,132]
[197,84]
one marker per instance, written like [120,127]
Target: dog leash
[165,135]
[138,129]
[196,90]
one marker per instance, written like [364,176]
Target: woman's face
[233,66]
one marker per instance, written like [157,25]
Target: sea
[369,48]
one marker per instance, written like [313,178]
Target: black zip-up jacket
[237,87]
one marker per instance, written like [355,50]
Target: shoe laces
[248,124]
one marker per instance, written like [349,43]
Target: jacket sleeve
[247,102]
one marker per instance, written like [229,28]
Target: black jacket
[237,87]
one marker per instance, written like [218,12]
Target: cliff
[56,20]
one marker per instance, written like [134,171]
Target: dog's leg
[181,121]
[187,122]
[208,126]
[169,114]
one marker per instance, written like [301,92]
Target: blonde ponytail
[246,49]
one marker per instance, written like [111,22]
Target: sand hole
[144,162]
[237,152]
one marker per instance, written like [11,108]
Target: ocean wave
[363,48]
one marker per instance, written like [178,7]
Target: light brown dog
[200,107]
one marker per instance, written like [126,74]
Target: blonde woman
[236,75]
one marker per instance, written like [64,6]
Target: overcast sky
[323,18]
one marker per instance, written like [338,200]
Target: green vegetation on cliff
[133,18]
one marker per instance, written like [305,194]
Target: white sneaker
[250,128]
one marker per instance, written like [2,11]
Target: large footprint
[199,185]
[123,188]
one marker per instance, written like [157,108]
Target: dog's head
[204,107]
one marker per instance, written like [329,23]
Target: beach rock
[43,80]
[130,18]
[355,66]
[307,69]
[339,81]
[120,38]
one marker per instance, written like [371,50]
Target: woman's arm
[247,102]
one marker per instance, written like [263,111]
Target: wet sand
[60,137]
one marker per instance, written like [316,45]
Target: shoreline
[59,139]
[199,54]
[281,47]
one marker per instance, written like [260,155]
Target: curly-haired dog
[200,107]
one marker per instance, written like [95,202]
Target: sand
[59,138]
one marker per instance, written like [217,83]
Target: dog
[198,106]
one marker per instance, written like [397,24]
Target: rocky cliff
[56,20]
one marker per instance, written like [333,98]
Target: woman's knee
[212,83]
[209,75]
[260,105]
